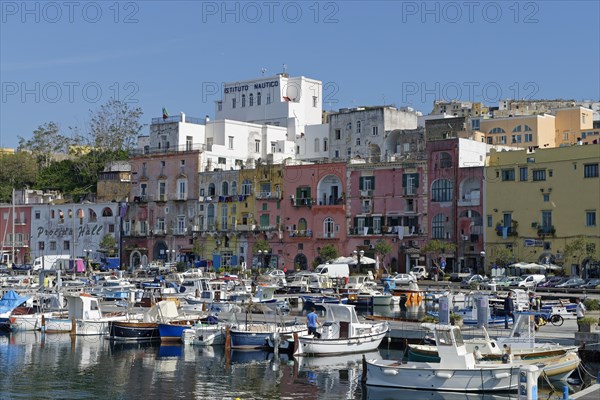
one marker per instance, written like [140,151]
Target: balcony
[181,197]
[328,236]
[410,191]
[470,199]
[366,209]
[268,195]
[161,198]
[21,221]
[510,231]
[300,233]
[546,230]
[302,202]
[366,193]
[245,228]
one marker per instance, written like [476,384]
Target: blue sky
[58,60]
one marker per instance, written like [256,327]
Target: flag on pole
[286,98]
[165,113]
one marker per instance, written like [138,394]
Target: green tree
[328,252]
[18,171]
[502,256]
[435,249]
[383,248]
[578,250]
[115,126]
[45,143]
[108,245]
[198,248]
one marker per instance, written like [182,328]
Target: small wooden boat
[133,330]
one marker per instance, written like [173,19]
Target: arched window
[328,228]
[437,226]
[243,100]
[317,145]
[445,160]
[92,215]
[302,226]
[441,190]
[251,99]
[497,130]
[211,189]
[258,99]
[107,212]
[517,128]
[527,128]
[225,189]
[234,188]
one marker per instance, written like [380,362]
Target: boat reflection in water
[383,393]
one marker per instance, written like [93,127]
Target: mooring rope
[582,367]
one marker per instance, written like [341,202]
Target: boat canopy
[340,312]
[10,301]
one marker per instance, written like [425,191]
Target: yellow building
[521,131]
[571,123]
[539,201]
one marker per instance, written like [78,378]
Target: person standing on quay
[580,310]
[509,309]
[313,322]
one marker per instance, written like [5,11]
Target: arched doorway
[300,262]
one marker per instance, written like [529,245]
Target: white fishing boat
[342,333]
[457,370]
[85,317]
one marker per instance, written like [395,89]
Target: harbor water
[60,366]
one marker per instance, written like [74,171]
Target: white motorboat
[342,333]
[205,335]
[456,372]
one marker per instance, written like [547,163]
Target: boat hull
[426,376]
[172,332]
[133,331]
[309,345]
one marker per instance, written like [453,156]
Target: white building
[280,100]
[72,229]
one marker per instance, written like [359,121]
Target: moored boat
[342,333]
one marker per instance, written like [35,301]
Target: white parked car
[403,279]
[419,272]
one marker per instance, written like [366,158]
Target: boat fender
[501,375]
[444,374]
[390,372]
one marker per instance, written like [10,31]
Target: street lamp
[482,254]
[358,255]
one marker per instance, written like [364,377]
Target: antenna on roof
[284,68]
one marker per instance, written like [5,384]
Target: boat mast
[12,200]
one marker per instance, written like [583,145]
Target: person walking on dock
[312,324]
[509,309]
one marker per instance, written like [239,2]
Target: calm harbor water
[40,366]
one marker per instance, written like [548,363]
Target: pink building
[15,228]
[387,202]
[314,212]
[455,208]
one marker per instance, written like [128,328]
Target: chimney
[206,119]
[182,116]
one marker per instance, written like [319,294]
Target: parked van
[531,281]
[334,270]
[48,262]
[419,272]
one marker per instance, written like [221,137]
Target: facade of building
[114,183]
[364,132]
[72,229]
[280,100]
[455,205]
[539,201]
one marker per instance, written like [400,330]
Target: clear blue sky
[58,61]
